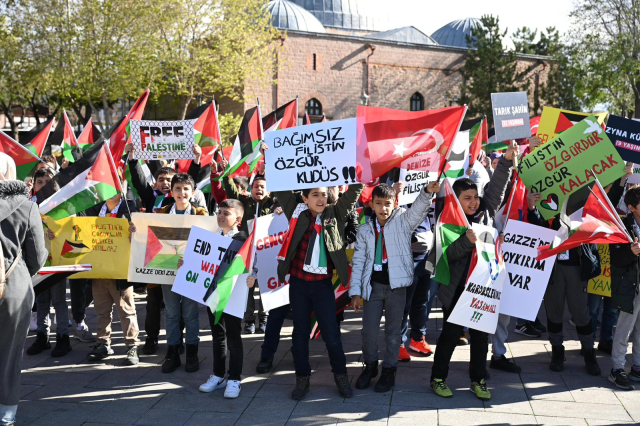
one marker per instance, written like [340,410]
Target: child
[229,327]
[382,269]
[478,210]
[625,270]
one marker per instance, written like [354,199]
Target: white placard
[635,177]
[316,155]
[269,237]
[162,140]
[415,172]
[527,278]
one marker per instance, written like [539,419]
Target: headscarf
[7,167]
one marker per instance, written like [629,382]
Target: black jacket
[625,270]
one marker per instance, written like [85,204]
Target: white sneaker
[213,383]
[33,324]
[233,389]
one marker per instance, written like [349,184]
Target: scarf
[381,249]
[159,199]
[186,212]
[315,261]
[114,212]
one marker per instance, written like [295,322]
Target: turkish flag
[386,136]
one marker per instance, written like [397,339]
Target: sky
[429,15]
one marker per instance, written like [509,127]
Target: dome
[345,14]
[289,16]
[455,33]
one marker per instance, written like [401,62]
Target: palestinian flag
[386,137]
[25,159]
[227,278]
[306,120]
[341,294]
[147,173]
[49,276]
[458,160]
[246,142]
[478,136]
[88,136]
[119,136]
[69,142]
[516,206]
[587,217]
[87,182]
[451,225]
[71,250]
[37,137]
[165,247]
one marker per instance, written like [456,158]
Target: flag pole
[513,187]
[113,164]
[446,157]
[446,182]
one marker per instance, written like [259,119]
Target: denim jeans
[272,334]
[382,297]
[8,414]
[418,304]
[609,316]
[174,305]
[499,338]
[307,297]
[81,297]
[55,296]
[227,333]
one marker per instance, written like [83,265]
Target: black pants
[81,297]
[274,327]
[154,307]
[227,333]
[447,343]
[249,315]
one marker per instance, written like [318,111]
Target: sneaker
[605,346]
[150,346]
[387,380]
[100,351]
[41,343]
[504,364]
[539,326]
[440,388]
[33,323]
[480,389]
[527,329]
[264,366]
[620,379]
[249,328]
[421,346]
[62,347]
[84,334]
[262,328]
[132,356]
[212,384]
[233,389]
[403,355]
[344,387]
[301,389]
[464,339]
[634,375]
[172,360]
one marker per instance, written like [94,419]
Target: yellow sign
[555,121]
[102,242]
[601,285]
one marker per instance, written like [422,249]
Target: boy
[625,270]
[477,210]
[382,269]
[107,292]
[229,327]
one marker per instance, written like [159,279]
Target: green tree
[11,67]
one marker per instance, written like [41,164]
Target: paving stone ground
[70,391]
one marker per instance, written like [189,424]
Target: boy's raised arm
[348,201]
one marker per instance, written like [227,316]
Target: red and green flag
[88,136]
[120,135]
[69,142]
[39,140]
[25,158]
[246,142]
[479,136]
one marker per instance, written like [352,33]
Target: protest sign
[99,241]
[321,154]
[416,172]
[162,140]
[567,163]
[510,115]
[479,304]
[159,242]
[202,258]
[625,135]
[527,278]
[635,177]
[269,236]
[554,121]
[601,285]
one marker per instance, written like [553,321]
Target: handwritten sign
[554,121]
[416,172]
[510,115]
[601,285]
[162,140]
[269,237]
[316,155]
[527,278]
[567,163]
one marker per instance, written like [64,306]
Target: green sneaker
[480,389]
[440,387]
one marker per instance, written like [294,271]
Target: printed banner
[159,242]
[625,135]
[202,257]
[601,285]
[554,121]
[527,278]
[162,140]
[567,163]
[269,236]
[102,242]
[510,115]
[416,172]
[321,154]
[479,304]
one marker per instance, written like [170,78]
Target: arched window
[417,102]
[313,107]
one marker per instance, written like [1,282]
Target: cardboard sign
[316,155]
[567,163]
[510,115]
[159,242]
[625,135]
[527,278]
[99,241]
[554,121]
[416,172]
[269,236]
[479,303]
[635,177]
[601,285]
[162,140]
[202,258]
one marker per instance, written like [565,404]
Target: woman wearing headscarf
[24,253]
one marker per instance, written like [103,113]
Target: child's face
[383,207]
[259,190]
[469,201]
[163,184]
[228,218]
[182,193]
[316,201]
[40,182]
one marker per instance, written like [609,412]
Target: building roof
[345,14]
[289,16]
[404,35]
[455,32]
